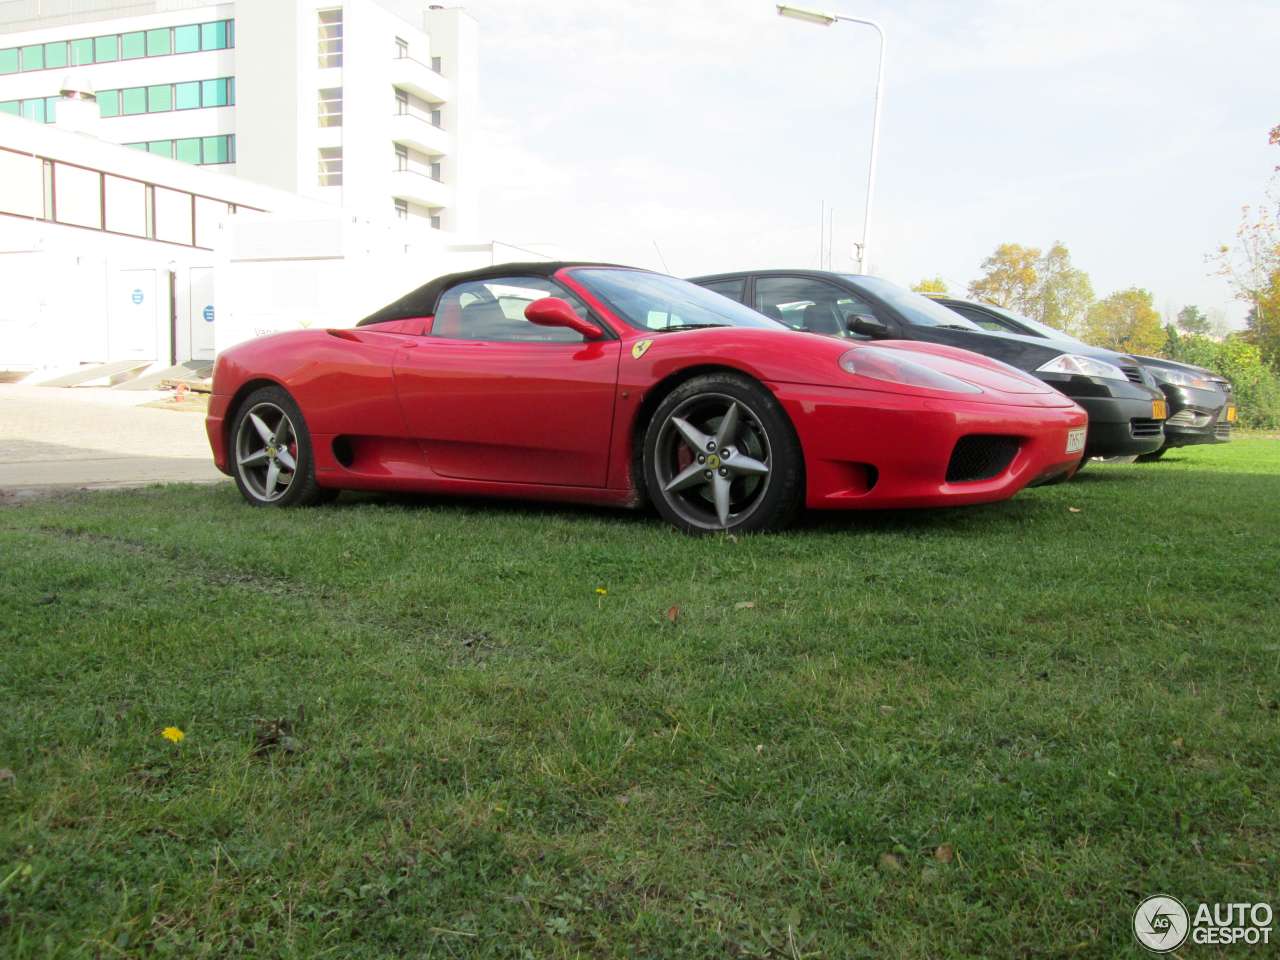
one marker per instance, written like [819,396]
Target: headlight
[892,367]
[1179,379]
[1085,366]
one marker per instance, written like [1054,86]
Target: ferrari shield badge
[640,347]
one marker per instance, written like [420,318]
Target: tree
[1252,267]
[1065,293]
[1010,279]
[1192,320]
[930,285]
[1127,321]
[1262,325]
[1044,287]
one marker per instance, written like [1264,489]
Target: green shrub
[1257,386]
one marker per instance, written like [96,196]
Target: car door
[811,304]
[490,396]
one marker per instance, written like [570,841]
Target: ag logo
[1160,923]
[641,346]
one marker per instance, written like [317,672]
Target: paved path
[53,438]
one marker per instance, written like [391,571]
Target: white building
[113,256]
[367,104]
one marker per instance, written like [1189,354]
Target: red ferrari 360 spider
[612,385]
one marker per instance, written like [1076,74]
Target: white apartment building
[367,104]
[113,256]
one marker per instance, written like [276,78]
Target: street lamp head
[808,16]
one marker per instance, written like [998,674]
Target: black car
[1126,411]
[1201,404]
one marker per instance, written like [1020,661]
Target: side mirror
[554,312]
[867,324]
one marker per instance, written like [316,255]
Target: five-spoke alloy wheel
[271,451]
[719,454]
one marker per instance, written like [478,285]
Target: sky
[704,135]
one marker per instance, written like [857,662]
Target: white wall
[280,274]
[272,97]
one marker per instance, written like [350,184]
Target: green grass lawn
[430,728]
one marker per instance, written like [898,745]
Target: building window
[402,48]
[197,150]
[55,56]
[402,210]
[213,36]
[214,93]
[81,52]
[435,171]
[34,110]
[435,118]
[402,103]
[160,98]
[161,42]
[186,39]
[33,57]
[330,166]
[436,65]
[435,221]
[215,150]
[186,96]
[402,158]
[106,49]
[134,101]
[37,109]
[331,107]
[109,103]
[133,46]
[330,38]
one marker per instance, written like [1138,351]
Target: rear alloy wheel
[720,454]
[271,451]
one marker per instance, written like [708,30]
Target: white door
[132,325]
[201,316]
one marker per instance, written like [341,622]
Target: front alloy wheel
[267,452]
[721,455]
[271,451]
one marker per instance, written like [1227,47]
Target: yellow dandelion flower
[601,592]
[172,734]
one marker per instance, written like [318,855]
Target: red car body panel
[389,407]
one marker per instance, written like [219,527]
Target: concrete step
[111,372]
[191,370]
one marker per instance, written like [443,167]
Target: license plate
[1231,414]
[1159,410]
[1075,440]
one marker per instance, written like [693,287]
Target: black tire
[253,476]
[1153,456]
[760,436]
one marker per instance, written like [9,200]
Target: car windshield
[1035,327]
[654,301]
[915,308]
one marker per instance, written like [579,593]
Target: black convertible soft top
[422,302]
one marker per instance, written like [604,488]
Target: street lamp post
[827,20]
